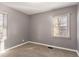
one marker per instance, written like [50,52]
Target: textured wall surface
[78,28]
[40,28]
[17,26]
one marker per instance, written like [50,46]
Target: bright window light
[3,33]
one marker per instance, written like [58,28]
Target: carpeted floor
[33,50]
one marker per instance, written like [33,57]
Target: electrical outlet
[23,40]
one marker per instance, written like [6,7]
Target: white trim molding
[53,46]
[41,44]
[17,45]
[73,50]
[77,52]
[14,47]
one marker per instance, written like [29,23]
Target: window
[61,26]
[3,28]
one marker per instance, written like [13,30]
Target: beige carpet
[33,50]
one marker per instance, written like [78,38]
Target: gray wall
[17,26]
[78,28]
[40,28]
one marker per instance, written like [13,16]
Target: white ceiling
[37,7]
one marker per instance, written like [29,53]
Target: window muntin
[61,26]
[3,31]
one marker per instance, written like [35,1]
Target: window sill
[60,37]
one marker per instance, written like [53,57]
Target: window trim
[69,26]
[5,15]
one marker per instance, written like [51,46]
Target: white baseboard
[56,47]
[53,46]
[42,44]
[14,47]
[77,52]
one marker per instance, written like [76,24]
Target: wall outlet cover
[23,40]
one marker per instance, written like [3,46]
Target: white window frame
[4,24]
[5,20]
[68,19]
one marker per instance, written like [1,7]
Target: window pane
[3,22]
[61,27]
[1,19]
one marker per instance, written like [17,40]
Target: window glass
[61,26]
